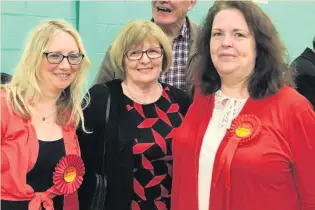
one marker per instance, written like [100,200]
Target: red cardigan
[19,151]
[273,171]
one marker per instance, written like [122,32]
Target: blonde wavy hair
[23,91]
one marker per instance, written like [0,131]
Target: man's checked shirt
[176,76]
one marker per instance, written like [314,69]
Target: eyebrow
[71,52]
[234,30]
[135,49]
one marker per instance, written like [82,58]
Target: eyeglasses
[152,53]
[57,58]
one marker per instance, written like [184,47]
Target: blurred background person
[5,78]
[171,17]
[40,110]
[248,138]
[304,66]
[143,116]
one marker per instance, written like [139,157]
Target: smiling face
[171,12]
[57,77]
[232,45]
[144,70]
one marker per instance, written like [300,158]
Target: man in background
[5,78]
[171,17]
[305,73]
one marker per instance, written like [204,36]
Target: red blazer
[273,170]
[19,150]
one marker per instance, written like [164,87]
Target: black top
[121,133]
[152,151]
[40,178]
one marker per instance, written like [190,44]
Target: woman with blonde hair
[143,115]
[40,110]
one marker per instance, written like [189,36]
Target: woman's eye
[216,34]
[239,35]
[135,53]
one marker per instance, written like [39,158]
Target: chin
[147,80]
[164,19]
[226,71]
[62,86]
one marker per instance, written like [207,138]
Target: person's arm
[94,118]
[305,85]
[106,71]
[193,75]
[302,140]
[4,126]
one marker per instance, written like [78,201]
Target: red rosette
[68,174]
[243,130]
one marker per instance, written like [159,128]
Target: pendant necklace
[45,118]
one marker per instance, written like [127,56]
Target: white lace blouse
[225,110]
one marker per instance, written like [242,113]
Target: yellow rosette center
[243,132]
[70,174]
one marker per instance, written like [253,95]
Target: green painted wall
[19,17]
[98,22]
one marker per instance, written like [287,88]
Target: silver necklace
[138,100]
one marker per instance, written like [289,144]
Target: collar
[220,97]
[229,108]
[183,30]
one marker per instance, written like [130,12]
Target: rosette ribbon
[243,130]
[68,175]
[67,178]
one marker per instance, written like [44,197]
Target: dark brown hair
[271,70]
[5,78]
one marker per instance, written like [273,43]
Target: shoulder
[199,96]
[287,91]
[181,98]
[97,90]
[193,28]
[305,79]
[8,116]
[3,95]
[95,109]
[99,94]
[5,106]
[303,66]
[177,93]
[192,25]
[300,61]
[114,84]
[296,112]
[288,98]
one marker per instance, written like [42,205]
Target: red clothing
[273,171]
[19,150]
